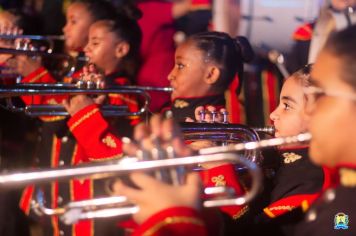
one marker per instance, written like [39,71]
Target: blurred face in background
[76,29]
[332,114]
[341,5]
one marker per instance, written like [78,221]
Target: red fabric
[157,49]
[158,226]
[304,32]
[227,174]
[26,199]
[90,137]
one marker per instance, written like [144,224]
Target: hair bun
[245,48]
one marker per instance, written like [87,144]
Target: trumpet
[225,134]
[118,206]
[25,42]
[89,87]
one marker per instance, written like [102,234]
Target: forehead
[326,71]
[189,51]
[292,88]
[77,9]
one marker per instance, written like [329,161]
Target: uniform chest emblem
[290,157]
[341,221]
[180,103]
[219,180]
[109,141]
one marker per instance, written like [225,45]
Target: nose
[65,28]
[87,48]
[171,75]
[274,115]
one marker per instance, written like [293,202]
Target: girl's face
[77,26]
[289,117]
[332,118]
[188,76]
[101,48]
[342,4]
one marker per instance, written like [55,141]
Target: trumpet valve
[213,116]
[225,115]
[202,115]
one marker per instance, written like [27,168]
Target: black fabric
[180,113]
[320,219]
[298,177]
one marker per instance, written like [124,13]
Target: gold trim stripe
[37,77]
[83,118]
[173,220]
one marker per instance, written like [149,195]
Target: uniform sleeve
[42,75]
[92,132]
[225,175]
[173,222]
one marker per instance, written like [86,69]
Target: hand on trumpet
[153,196]
[209,114]
[78,102]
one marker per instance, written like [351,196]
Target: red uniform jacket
[84,137]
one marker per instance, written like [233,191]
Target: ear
[212,75]
[122,49]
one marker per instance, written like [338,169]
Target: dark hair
[99,9]
[228,53]
[28,23]
[125,27]
[343,45]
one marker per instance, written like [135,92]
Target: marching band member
[205,65]
[289,190]
[332,104]
[311,36]
[330,101]
[67,142]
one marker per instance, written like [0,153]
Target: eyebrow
[314,82]
[288,98]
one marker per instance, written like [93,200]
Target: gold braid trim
[52,118]
[83,118]
[106,158]
[240,213]
[173,220]
[347,177]
[123,98]
[37,77]
[269,211]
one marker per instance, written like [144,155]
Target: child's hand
[26,65]
[209,114]
[78,102]
[153,195]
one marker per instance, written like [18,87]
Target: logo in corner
[341,221]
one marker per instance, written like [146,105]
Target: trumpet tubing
[119,206]
[9,91]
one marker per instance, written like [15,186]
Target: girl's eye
[180,66]
[286,106]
